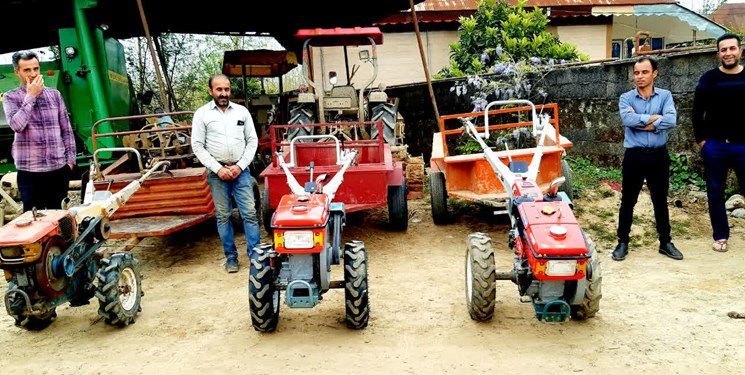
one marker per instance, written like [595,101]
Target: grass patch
[587,176]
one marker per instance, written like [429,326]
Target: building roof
[451,10]
[731,16]
[280,19]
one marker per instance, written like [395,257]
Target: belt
[226,163]
[729,140]
[647,150]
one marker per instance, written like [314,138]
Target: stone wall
[588,104]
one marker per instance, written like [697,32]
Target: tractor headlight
[12,252]
[298,239]
[561,267]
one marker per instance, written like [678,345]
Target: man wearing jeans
[224,140]
[647,113]
[719,131]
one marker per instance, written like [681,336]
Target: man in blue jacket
[647,113]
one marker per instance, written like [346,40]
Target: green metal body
[94,85]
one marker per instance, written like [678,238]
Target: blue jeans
[718,157]
[241,189]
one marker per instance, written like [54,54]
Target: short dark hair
[217,76]
[652,61]
[23,55]
[729,36]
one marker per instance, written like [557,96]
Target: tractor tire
[356,296]
[438,197]
[590,304]
[398,208]
[300,115]
[119,289]
[36,323]
[386,113]
[266,211]
[568,185]
[263,296]
[481,277]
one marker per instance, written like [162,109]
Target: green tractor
[91,75]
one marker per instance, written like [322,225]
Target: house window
[615,48]
[619,49]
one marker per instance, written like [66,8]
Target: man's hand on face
[35,86]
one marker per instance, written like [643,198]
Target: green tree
[500,33]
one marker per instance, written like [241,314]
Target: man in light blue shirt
[647,113]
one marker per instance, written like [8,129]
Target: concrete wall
[399,60]
[588,103]
[593,40]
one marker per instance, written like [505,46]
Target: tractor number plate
[337,103]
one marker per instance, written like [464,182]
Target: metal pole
[161,86]
[98,93]
[424,62]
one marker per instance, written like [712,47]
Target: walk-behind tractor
[556,265]
[51,257]
[307,228]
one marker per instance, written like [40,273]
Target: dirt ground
[657,315]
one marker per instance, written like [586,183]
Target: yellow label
[116,77]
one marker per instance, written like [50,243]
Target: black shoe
[671,251]
[620,252]
[231,265]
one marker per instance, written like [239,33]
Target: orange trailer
[470,177]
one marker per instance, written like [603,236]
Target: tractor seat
[341,98]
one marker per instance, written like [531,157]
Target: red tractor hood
[25,230]
[552,229]
[301,211]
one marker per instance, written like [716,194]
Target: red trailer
[375,180]
[361,118]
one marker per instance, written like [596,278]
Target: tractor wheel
[119,289]
[481,277]
[567,187]
[386,113]
[36,323]
[300,115]
[438,197]
[263,296]
[266,211]
[398,208]
[591,302]
[355,285]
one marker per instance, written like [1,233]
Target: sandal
[719,246]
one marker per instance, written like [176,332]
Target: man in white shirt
[224,140]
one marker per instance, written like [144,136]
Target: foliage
[502,48]
[682,174]
[587,176]
[189,60]
[500,33]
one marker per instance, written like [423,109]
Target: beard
[222,100]
[730,65]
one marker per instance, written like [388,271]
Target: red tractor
[51,257]
[556,265]
[307,229]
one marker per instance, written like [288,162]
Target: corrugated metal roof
[451,10]
[444,5]
[731,16]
